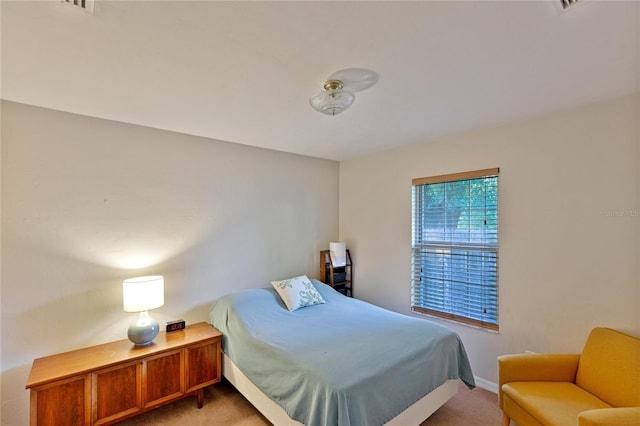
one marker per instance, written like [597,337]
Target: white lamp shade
[142,293]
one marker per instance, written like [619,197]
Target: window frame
[421,245]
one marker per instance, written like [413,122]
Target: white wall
[569,186]
[88,202]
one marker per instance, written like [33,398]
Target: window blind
[455,247]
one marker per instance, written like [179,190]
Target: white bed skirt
[414,415]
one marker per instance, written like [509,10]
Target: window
[454,256]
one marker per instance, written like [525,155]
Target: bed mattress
[344,362]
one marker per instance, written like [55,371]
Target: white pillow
[297,292]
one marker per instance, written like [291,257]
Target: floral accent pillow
[297,292]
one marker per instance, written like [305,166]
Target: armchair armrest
[536,368]
[628,416]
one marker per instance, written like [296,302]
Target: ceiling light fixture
[338,94]
[333,99]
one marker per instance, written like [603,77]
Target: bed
[343,362]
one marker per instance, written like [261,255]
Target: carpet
[224,405]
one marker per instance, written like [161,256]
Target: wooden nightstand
[103,384]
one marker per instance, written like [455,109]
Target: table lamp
[141,294]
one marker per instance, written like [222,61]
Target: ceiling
[243,72]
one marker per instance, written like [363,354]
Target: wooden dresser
[107,383]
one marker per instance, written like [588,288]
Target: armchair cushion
[609,367]
[552,403]
[611,417]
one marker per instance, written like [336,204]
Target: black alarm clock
[177,325]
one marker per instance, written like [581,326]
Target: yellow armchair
[599,387]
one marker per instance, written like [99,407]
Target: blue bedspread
[345,362]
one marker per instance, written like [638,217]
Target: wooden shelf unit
[107,383]
[338,277]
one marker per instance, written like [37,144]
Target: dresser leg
[200,396]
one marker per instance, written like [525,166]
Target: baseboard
[486,384]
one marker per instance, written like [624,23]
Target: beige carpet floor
[225,406]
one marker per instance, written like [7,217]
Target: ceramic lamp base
[144,330]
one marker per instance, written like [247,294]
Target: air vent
[568,3]
[86,5]
[571,4]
